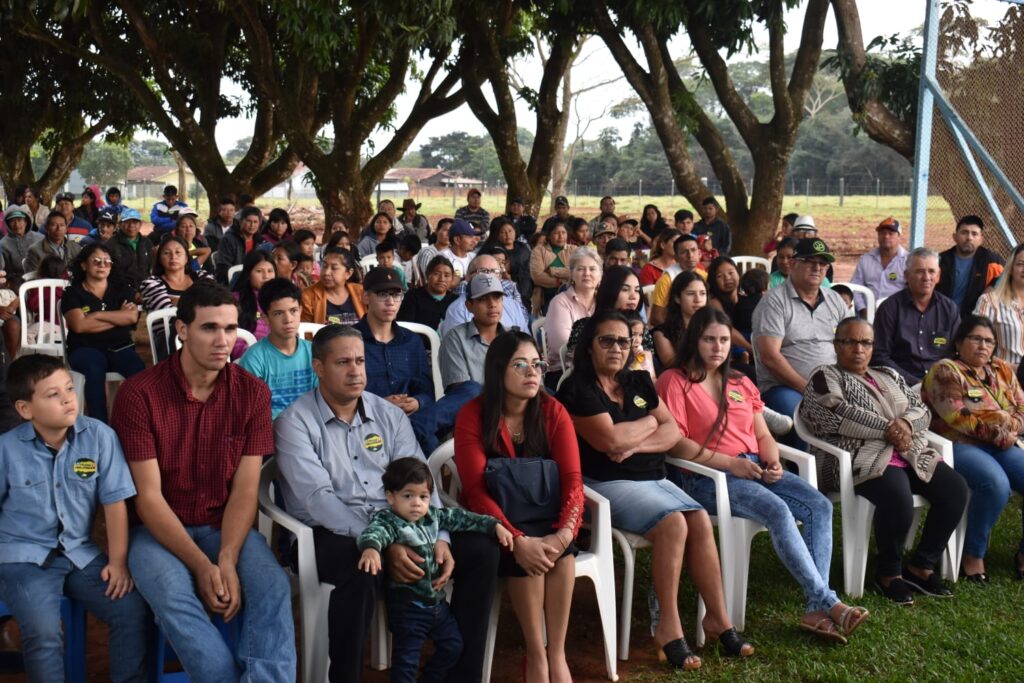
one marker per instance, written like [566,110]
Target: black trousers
[893,497]
[355,596]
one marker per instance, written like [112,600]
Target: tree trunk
[752,227]
[347,200]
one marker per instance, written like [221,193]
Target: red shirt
[471,458]
[198,444]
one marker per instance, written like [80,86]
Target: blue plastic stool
[163,653]
[73,616]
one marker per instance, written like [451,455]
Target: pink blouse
[694,411]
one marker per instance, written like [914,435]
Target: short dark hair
[683,214]
[967,325]
[27,371]
[203,294]
[404,471]
[788,243]
[345,255]
[384,247]
[492,250]
[754,281]
[170,189]
[686,237]
[849,322]
[790,218]
[328,333]
[841,289]
[245,198]
[303,258]
[227,199]
[437,262]
[301,235]
[971,219]
[616,244]
[277,289]
[410,243]
[709,201]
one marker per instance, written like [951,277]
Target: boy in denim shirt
[416,611]
[55,469]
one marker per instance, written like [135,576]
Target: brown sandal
[826,629]
[851,618]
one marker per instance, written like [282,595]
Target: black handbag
[526,489]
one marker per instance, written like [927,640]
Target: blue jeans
[95,364]
[440,415]
[779,506]
[32,593]
[266,645]
[784,400]
[990,473]
[412,623]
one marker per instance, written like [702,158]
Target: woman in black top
[624,433]
[427,305]
[101,315]
[504,234]
[724,294]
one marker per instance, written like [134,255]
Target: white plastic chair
[596,564]
[434,342]
[745,263]
[309,330]
[50,337]
[31,275]
[245,335]
[368,261]
[232,271]
[315,596]
[858,512]
[734,537]
[164,317]
[869,299]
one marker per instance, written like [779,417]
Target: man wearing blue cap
[462,240]
[132,251]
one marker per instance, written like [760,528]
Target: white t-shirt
[460,263]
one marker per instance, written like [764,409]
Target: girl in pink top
[719,414]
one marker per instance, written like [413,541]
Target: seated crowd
[572,353]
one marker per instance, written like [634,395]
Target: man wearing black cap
[794,327]
[526,225]
[474,213]
[106,224]
[562,215]
[462,241]
[162,216]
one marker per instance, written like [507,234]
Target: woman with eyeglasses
[624,433]
[978,404]
[515,418]
[870,412]
[576,302]
[100,312]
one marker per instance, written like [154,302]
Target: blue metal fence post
[923,141]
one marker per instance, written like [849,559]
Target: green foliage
[149,152]
[472,155]
[236,153]
[105,163]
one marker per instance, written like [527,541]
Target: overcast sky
[878,17]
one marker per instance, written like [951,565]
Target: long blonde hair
[1002,290]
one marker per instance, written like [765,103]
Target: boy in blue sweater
[55,470]
[416,611]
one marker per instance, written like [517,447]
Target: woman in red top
[663,255]
[541,569]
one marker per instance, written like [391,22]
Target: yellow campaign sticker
[373,442]
[639,402]
[939,341]
[736,396]
[974,393]
[86,309]
[84,468]
[892,277]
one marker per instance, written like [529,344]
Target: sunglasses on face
[608,341]
[99,261]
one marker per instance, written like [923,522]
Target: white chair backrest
[232,271]
[368,261]
[869,298]
[648,291]
[309,330]
[165,318]
[434,342]
[444,457]
[745,263]
[50,328]
[31,275]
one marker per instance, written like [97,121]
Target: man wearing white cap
[881,269]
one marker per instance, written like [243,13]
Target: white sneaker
[778,424]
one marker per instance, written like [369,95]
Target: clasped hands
[900,434]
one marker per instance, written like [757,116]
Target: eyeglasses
[863,343]
[981,341]
[523,367]
[607,341]
[98,261]
[394,296]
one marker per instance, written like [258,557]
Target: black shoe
[898,591]
[981,579]
[933,585]
[1018,572]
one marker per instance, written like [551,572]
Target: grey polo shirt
[331,470]
[462,354]
[807,333]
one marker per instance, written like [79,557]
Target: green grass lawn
[977,635]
